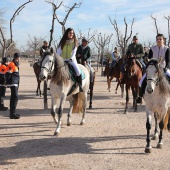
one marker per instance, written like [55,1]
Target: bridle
[155,81]
[49,70]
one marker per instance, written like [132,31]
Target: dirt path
[108,140]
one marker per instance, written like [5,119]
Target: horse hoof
[68,123]
[90,107]
[115,92]
[160,145]
[82,123]
[56,133]
[148,150]
[126,112]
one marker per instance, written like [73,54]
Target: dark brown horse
[115,72]
[37,70]
[132,77]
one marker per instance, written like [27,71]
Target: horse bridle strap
[49,70]
[155,81]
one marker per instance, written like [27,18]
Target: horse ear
[51,50]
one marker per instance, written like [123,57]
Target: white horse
[60,85]
[157,101]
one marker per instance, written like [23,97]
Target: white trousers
[75,66]
[141,80]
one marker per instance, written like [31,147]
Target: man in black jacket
[12,80]
[83,52]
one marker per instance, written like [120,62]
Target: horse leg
[161,126]
[91,94]
[39,82]
[53,108]
[134,91]
[127,98]
[84,109]
[148,127]
[60,113]
[118,83]
[156,126]
[71,100]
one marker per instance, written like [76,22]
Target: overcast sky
[35,18]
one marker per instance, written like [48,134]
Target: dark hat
[5,59]
[135,37]
[85,40]
[16,55]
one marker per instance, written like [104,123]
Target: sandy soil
[108,140]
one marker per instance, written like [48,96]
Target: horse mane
[164,86]
[61,73]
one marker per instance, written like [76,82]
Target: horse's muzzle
[42,78]
[149,90]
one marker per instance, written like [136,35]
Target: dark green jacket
[136,49]
[84,53]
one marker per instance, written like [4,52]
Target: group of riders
[159,52]
[73,54]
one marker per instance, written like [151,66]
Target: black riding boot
[141,91]
[79,81]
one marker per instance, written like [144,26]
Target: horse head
[153,75]
[131,67]
[47,64]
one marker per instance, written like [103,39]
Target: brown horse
[115,72]
[37,70]
[132,77]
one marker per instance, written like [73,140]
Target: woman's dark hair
[160,35]
[65,37]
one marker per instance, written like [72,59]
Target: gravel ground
[109,139]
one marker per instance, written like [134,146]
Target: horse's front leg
[127,98]
[71,100]
[161,126]
[60,113]
[134,92]
[156,126]
[53,108]
[148,127]
[84,109]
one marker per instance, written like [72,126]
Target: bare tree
[3,42]
[155,24]
[123,39]
[55,7]
[34,44]
[168,20]
[88,36]
[101,42]
[69,9]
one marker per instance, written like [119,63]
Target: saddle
[73,76]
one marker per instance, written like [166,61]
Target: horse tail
[79,103]
[166,120]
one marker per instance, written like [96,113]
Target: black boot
[14,116]
[79,81]
[141,91]
[3,108]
